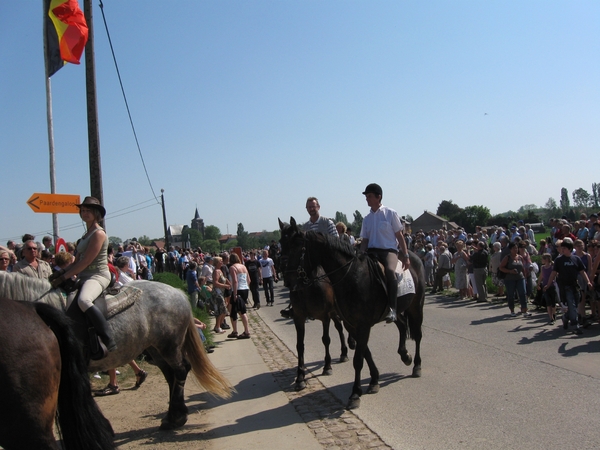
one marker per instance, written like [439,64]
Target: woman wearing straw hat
[91,267]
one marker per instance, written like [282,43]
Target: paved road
[489,381]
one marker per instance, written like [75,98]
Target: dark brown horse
[361,299]
[314,301]
[42,372]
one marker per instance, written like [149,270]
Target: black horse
[315,301]
[361,298]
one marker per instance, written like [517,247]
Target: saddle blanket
[406,284]
[112,304]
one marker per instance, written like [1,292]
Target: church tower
[198,223]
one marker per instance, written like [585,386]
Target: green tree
[565,204]
[581,198]
[357,223]
[115,241]
[212,232]
[472,216]
[242,236]
[523,209]
[449,210]
[266,237]
[211,246]
[551,204]
[340,217]
[232,243]
[145,240]
[193,236]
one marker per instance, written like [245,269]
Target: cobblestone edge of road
[333,426]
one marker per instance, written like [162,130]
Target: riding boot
[102,329]
[392,288]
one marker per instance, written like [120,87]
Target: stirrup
[391,316]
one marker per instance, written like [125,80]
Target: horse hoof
[416,372]
[406,359]
[351,343]
[167,425]
[300,385]
[373,389]
[344,358]
[354,402]
[327,372]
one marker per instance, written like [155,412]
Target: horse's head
[292,243]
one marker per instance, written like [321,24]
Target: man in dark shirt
[567,267]
[480,260]
[253,266]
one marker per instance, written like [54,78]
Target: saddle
[111,302]
[406,284]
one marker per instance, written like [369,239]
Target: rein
[308,281]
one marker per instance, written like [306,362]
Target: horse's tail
[204,370]
[80,421]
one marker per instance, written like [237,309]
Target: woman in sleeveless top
[91,267]
[513,266]
[239,283]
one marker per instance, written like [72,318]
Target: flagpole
[55,229]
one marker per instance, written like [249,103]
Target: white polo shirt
[380,228]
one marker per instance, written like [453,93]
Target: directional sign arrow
[54,203]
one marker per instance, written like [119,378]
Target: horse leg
[374,383]
[416,334]
[175,371]
[299,323]
[402,351]
[362,337]
[340,329]
[326,341]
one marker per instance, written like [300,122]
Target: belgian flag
[66,33]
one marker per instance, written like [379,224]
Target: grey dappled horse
[160,322]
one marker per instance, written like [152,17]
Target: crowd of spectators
[507,256]
[519,267]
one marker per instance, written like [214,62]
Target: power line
[111,215]
[126,103]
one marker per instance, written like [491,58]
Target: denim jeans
[268,287]
[519,287]
[570,296]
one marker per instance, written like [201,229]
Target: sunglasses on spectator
[4,259]
[31,248]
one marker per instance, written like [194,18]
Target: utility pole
[162,200]
[92,109]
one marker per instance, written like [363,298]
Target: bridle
[308,281]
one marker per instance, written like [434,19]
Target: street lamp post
[162,199]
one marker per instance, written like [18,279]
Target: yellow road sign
[54,203]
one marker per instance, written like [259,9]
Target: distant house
[226,238]
[429,221]
[176,235]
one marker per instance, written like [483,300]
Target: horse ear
[292,222]
[280,224]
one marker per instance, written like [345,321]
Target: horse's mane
[346,249]
[17,286]
[332,243]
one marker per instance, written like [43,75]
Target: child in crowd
[62,261]
[204,294]
[550,295]
[201,326]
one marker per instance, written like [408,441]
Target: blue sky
[243,109]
